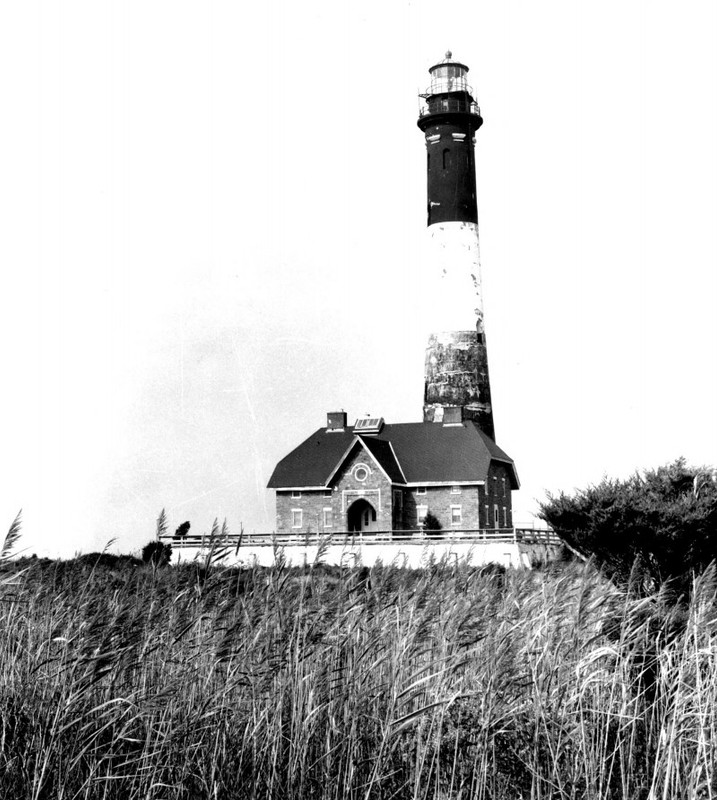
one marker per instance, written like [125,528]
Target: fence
[421,536]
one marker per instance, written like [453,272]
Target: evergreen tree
[663,522]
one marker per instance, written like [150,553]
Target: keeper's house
[372,477]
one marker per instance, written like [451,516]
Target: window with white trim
[361,472]
[455,489]
[327,492]
[296,494]
[487,515]
[505,517]
[421,512]
[496,517]
[421,490]
[328,518]
[456,515]
[296,517]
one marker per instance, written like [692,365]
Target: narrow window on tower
[446,158]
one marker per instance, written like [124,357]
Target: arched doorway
[361,517]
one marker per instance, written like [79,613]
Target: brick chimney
[335,420]
[452,415]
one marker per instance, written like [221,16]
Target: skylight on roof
[368,425]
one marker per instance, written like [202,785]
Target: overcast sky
[212,218]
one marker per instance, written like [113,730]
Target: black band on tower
[451,168]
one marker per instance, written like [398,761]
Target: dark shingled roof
[381,450]
[425,452]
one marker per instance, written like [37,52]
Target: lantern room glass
[449,78]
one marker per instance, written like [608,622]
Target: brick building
[374,477]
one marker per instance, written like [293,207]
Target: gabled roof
[379,452]
[409,452]
[382,451]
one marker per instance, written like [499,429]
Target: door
[361,517]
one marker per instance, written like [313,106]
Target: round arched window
[361,472]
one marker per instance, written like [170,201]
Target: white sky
[212,216]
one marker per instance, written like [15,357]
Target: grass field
[123,681]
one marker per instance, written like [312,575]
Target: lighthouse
[457,385]
[377,477]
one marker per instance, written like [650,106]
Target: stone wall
[352,552]
[346,488]
[439,500]
[376,488]
[310,503]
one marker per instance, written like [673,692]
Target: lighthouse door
[361,517]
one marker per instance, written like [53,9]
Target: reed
[129,681]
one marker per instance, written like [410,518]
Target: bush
[157,553]
[106,560]
[660,525]
[432,525]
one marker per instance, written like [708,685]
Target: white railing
[446,105]
[368,538]
[446,85]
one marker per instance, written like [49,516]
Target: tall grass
[452,682]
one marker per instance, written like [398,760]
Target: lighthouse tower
[456,366]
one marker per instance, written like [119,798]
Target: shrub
[432,525]
[157,553]
[106,560]
[659,525]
